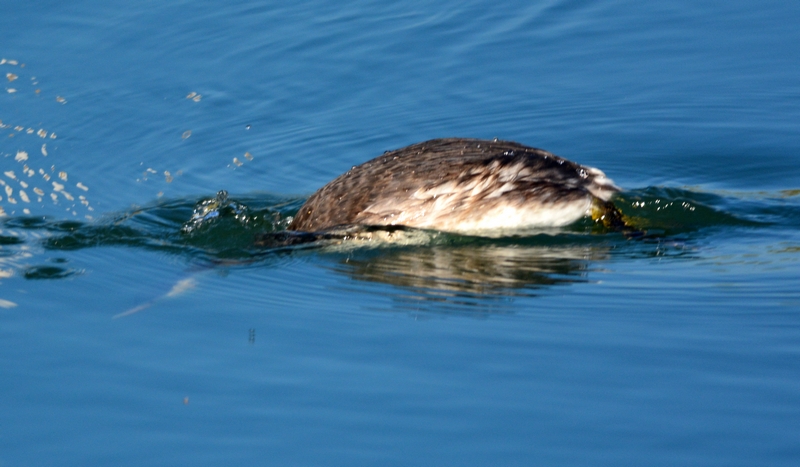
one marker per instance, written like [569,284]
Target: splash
[206,211]
[36,176]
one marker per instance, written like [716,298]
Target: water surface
[127,338]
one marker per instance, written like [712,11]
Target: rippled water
[138,325]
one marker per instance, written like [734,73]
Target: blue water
[125,340]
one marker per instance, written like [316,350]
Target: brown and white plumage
[459,185]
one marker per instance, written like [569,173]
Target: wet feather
[458,185]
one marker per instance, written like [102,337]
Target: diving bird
[466,186]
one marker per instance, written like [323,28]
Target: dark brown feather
[391,180]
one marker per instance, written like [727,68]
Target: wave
[250,230]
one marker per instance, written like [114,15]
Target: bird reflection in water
[469,274]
